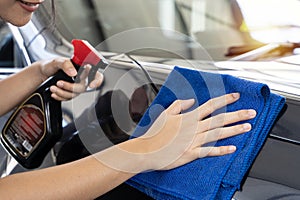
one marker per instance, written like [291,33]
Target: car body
[156,34]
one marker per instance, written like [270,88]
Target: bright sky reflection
[272,20]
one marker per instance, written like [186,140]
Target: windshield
[179,28]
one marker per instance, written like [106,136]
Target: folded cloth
[209,177]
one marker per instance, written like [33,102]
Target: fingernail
[92,85]
[187,102]
[60,84]
[236,95]
[247,127]
[251,113]
[191,100]
[72,71]
[53,89]
[231,149]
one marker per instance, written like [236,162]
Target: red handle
[84,53]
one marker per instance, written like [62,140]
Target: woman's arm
[83,179]
[174,140]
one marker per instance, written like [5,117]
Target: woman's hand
[176,139]
[64,90]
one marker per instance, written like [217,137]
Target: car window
[209,24]
[6,47]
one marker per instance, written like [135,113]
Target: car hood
[280,75]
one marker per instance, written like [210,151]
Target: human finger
[72,87]
[214,151]
[226,119]
[221,133]
[58,98]
[67,66]
[61,94]
[216,103]
[179,105]
[97,77]
[98,80]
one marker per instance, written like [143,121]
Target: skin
[175,136]
[12,12]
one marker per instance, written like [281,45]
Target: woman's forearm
[87,178]
[15,88]
[84,179]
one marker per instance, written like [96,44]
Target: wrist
[40,71]
[48,68]
[127,157]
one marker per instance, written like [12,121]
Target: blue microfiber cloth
[209,177]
